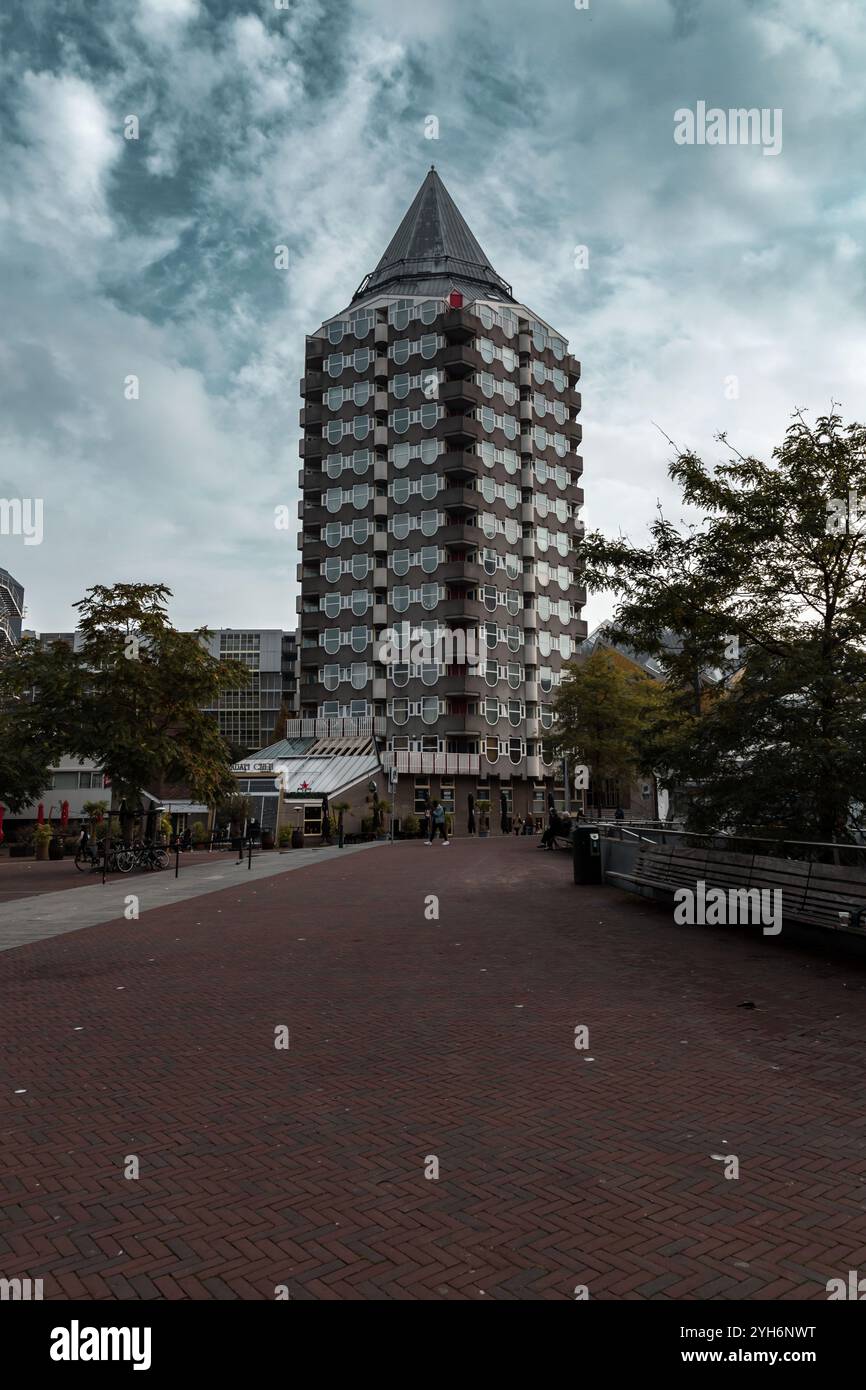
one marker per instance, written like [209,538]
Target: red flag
[40,814]
[64,815]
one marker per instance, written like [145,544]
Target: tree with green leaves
[30,745]
[766,596]
[131,697]
[603,709]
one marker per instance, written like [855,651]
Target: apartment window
[446,795]
[422,793]
[64,781]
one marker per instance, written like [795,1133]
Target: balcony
[311,446]
[311,415]
[461,359]
[315,352]
[459,572]
[459,499]
[459,326]
[461,394]
[462,608]
[460,430]
[456,536]
[312,384]
[458,465]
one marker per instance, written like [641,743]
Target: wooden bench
[823,895]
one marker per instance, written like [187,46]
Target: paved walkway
[26,878]
[418,1041]
[55,911]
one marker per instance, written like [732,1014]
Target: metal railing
[658,832]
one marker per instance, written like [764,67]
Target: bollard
[176,860]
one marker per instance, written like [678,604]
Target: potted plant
[297,838]
[55,847]
[267,839]
[284,837]
[42,838]
[411,826]
[483,809]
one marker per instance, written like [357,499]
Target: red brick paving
[411,1038]
[29,878]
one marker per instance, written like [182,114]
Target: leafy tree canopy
[130,698]
[767,597]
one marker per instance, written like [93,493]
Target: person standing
[427,822]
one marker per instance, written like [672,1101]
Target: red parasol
[2,814]
[64,815]
[40,814]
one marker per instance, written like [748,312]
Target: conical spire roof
[433,251]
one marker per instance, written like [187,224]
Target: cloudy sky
[304,126]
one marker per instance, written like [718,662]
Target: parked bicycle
[90,857]
[149,856]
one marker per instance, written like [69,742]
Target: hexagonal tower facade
[440,508]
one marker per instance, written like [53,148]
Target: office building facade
[248,717]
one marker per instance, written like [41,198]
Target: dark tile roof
[433,251]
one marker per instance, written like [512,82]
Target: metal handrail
[620,826]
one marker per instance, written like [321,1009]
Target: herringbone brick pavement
[413,1038]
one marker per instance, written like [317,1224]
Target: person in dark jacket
[438,817]
[552,830]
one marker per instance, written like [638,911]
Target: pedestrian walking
[439,824]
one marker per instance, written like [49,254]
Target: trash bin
[586,850]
